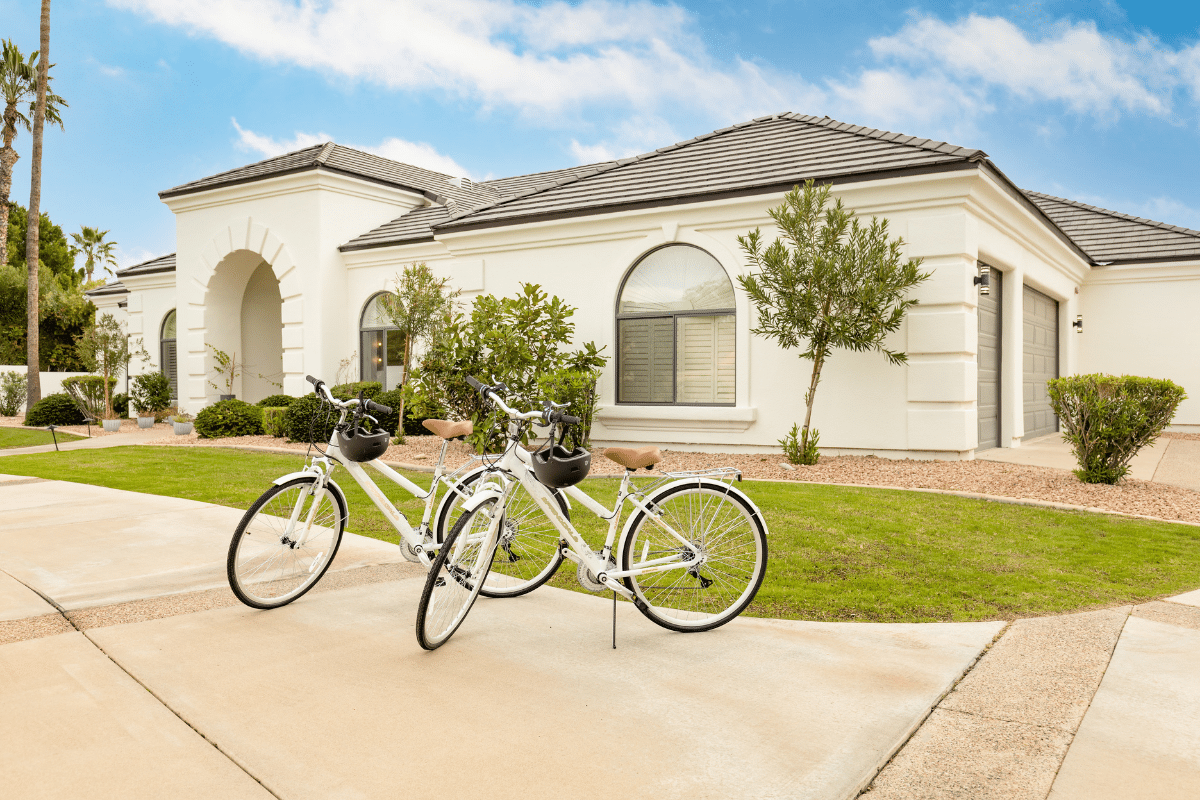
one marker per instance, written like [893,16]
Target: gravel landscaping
[977,477]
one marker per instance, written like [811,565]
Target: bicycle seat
[449,430]
[631,458]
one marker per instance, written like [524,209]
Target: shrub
[54,409]
[275,401]
[151,393]
[298,421]
[13,393]
[800,447]
[229,418]
[347,391]
[88,391]
[120,402]
[576,388]
[1107,419]
[273,421]
[392,400]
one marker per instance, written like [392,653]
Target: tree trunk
[403,383]
[32,311]
[8,159]
[818,363]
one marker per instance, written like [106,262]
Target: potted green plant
[228,370]
[151,394]
[182,422]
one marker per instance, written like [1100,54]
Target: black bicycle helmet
[358,445]
[558,467]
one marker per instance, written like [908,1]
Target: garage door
[1041,361]
[989,365]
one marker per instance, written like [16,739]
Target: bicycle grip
[567,419]
[371,405]
[314,381]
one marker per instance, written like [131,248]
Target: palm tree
[90,243]
[32,356]
[18,83]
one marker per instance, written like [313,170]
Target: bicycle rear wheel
[528,552]
[456,577]
[284,543]
[723,526]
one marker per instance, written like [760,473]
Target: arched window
[675,330]
[167,360]
[382,355]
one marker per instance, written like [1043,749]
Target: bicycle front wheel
[285,543]
[528,552]
[456,577]
[722,526]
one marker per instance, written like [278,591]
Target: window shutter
[170,368]
[645,348]
[705,359]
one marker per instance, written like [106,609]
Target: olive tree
[420,304]
[105,349]
[829,281]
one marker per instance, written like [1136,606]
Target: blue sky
[1094,100]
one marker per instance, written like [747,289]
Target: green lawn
[28,437]
[836,553]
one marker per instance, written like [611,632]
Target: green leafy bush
[13,393]
[519,340]
[298,420]
[120,402]
[151,393]
[229,418]
[275,401]
[273,421]
[90,389]
[576,388]
[1107,419]
[348,391]
[54,409]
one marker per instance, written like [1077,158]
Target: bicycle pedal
[439,582]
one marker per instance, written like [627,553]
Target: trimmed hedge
[273,421]
[347,391]
[229,418]
[275,401]
[297,420]
[1107,419]
[54,409]
[151,393]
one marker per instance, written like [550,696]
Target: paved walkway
[130,671]
[1172,461]
[135,436]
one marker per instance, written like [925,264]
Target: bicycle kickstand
[614,620]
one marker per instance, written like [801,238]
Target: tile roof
[417,225]
[161,264]
[768,152]
[116,287]
[348,161]
[1108,236]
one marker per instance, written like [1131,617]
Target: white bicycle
[691,555]
[288,538]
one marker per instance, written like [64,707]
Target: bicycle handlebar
[371,405]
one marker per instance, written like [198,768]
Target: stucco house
[281,261]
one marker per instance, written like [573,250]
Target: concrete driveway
[127,669]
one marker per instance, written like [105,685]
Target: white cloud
[128,256]
[1073,64]
[630,137]
[553,58]
[419,154]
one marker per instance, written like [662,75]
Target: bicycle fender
[718,485]
[329,484]
[476,500]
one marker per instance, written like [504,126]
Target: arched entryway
[243,311]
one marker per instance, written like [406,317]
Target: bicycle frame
[516,463]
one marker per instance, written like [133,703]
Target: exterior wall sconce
[984,279]
[1078,324]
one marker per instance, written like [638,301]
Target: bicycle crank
[588,580]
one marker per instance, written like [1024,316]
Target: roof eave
[184,190]
[350,247]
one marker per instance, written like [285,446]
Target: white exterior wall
[295,224]
[151,297]
[1145,320]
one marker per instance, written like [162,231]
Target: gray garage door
[1041,361]
[989,365]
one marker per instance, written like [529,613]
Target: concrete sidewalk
[157,683]
[136,436]
[1171,461]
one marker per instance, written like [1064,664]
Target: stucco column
[1012,359]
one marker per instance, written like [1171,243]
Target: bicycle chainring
[588,580]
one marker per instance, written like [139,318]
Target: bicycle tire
[456,577]
[266,569]
[528,553]
[728,530]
